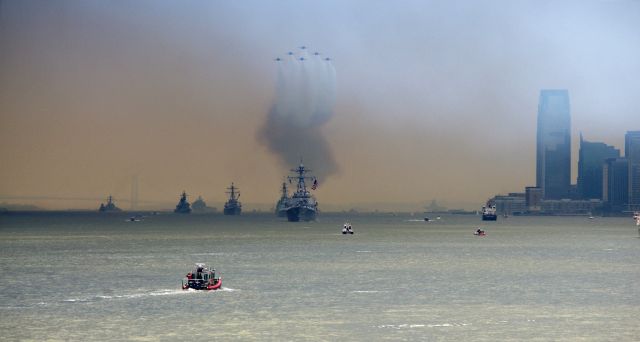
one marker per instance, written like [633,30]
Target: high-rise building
[615,184]
[553,155]
[590,164]
[632,153]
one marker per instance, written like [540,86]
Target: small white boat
[134,219]
[636,216]
[347,229]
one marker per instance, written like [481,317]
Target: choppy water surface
[91,277]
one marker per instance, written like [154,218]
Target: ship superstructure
[302,205]
[233,206]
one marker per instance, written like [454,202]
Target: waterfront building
[590,165]
[632,153]
[615,184]
[513,203]
[571,207]
[533,199]
[553,152]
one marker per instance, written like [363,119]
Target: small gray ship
[281,206]
[233,206]
[199,206]
[302,205]
[110,207]
[183,207]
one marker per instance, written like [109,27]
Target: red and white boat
[202,278]
[479,232]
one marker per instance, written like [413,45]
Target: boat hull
[196,285]
[301,213]
[489,217]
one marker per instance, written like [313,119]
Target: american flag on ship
[315,184]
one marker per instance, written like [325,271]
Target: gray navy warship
[233,206]
[183,207]
[302,205]
[281,206]
[109,207]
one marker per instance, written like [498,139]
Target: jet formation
[302,58]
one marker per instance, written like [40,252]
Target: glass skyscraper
[632,153]
[553,155]
[590,164]
[615,178]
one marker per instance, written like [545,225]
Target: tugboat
[233,206]
[183,206]
[302,205]
[281,206]
[109,207]
[202,278]
[489,213]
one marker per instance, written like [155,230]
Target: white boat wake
[155,293]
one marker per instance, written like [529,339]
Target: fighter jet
[302,58]
[290,53]
[303,47]
[278,59]
[316,53]
[327,59]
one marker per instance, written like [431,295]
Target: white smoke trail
[304,101]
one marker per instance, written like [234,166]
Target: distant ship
[233,206]
[302,205]
[489,213]
[109,207]
[200,206]
[281,206]
[183,206]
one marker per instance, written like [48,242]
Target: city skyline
[92,95]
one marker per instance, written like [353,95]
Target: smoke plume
[305,96]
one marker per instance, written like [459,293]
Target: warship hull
[232,211]
[301,213]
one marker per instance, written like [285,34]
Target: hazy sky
[435,99]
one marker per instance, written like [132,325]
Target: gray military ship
[281,206]
[183,207]
[302,205]
[199,206]
[233,206]
[110,207]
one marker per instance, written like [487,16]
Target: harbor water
[86,276]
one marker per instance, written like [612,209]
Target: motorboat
[479,232]
[202,278]
[347,229]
